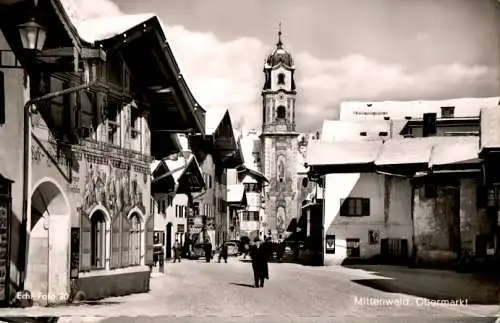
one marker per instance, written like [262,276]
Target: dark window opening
[353,248]
[355,207]
[251,216]
[281,112]
[305,182]
[115,70]
[447,112]
[485,245]
[112,111]
[363,133]
[135,127]
[281,78]
[98,234]
[383,134]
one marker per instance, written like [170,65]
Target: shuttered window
[125,242]
[355,207]
[135,240]
[115,242]
[98,240]
[149,240]
[85,242]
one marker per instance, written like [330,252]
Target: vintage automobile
[199,251]
[232,248]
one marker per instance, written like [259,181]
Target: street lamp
[33,35]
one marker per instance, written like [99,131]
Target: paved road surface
[193,291]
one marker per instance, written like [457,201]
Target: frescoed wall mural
[118,190]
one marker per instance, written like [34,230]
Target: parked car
[232,248]
[198,250]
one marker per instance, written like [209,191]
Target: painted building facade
[87,230]
[217,150]
[175,179]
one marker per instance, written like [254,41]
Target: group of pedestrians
[259,251]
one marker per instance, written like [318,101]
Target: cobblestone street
[194,290]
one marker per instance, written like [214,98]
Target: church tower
[279,140]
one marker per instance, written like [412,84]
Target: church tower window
[281,112]
[281,78]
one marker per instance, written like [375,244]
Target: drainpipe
[26,135]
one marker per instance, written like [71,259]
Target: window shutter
[366,206]
[2,99]
[115,242]
[125,241]
[149,240]
[85,242]
[344,205]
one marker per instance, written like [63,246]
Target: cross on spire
[279,44]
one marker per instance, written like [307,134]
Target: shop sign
[330,243]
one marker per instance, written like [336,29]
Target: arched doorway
[47,272]
[168,244]
[135,239]
[98,239]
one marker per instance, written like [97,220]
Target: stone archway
[47,272]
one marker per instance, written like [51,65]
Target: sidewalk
[432,284]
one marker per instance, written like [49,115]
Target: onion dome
[279,55]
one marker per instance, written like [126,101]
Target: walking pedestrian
[223,252]
[208,251]
[177,251]
[259,255]
[246,250]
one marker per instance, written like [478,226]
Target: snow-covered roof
[213,118]
[342,153]
[250,149]
[235,193]
[154,165]
[106,26]
[177,166]
[372,110]
[429,150]
[183,141]
[102,28]
[490,128]
[464,150]
[336,130]
[411,150]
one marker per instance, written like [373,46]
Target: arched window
[281,78]
[135,240]
[98,240]
[281,112]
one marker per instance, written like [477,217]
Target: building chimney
[430,127]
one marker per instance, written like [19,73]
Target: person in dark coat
[208,251]
[223,252]
[258,253]
[177,251]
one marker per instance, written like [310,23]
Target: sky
[343,50]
